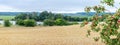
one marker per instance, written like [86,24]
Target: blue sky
[60,6]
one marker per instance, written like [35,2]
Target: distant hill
[78,14]
[82,14]
[9,13]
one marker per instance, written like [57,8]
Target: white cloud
[50,5]
[116,6]
[4,8]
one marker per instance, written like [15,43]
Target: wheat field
[55,35]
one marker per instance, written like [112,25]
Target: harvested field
[55,35]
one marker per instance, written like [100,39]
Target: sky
[58,6]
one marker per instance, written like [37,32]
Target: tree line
[47,15]
[48,19]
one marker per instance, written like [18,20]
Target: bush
[61,22]
[58,22]
[20,22]
[7,23]
[49,22]
[29,23]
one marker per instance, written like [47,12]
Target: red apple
[118,21]
[113,17]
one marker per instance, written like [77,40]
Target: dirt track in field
[55,35]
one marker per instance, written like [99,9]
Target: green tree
[32,15]
[49,22]
[43,15]
[20,22]
[7,23]
[29,23]
[61,22]
[22,16]
[58,16]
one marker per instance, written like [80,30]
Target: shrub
[29,23]
[20,22]
[58,22]
[49,22]
[61,22]
[7,23]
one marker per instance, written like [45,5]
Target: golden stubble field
[55,35]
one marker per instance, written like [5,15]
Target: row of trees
[32,23]
[48,18]
[47,15]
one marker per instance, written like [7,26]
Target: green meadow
[7,17]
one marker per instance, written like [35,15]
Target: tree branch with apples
[109,30]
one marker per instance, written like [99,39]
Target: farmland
[7,17]
[55,35]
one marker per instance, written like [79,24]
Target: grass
[7,17]
[55,35]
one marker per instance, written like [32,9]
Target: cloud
[4,8]
[50,5]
